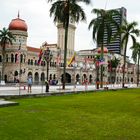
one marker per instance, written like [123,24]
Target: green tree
[136,57]
[113,64]
[96,61]
[62,12]
[102,26]
[128,30]
[6,37]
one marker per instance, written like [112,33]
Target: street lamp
[74,66]
[47,56]
[81,67]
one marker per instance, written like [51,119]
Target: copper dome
[105,50]
[18,24]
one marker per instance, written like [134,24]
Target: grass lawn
[110,115]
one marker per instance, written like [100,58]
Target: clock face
[71,20]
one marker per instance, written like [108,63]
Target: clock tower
[71,37]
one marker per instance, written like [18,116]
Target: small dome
[105,50]
[18,24]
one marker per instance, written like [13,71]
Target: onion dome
[105,50]
[18,24]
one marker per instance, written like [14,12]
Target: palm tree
[113,64]
[63,10]
[136,57]
[96,61]
[102,26]
[128,30]
[5,38]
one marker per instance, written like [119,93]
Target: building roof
[18,24]
[31,49]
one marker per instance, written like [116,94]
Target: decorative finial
[18,13]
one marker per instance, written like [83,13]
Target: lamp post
[81,67]
[58,66]
[74,66]
[47,56]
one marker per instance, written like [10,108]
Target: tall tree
[102,26]
[63,10]
[136,57]
[5,38]
[113,64]
[128,30]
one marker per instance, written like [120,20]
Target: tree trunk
[102,57]
[124,59]
[3,61]
[65,52]
[138,71]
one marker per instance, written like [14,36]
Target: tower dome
[18,24]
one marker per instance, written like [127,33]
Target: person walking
[47,85]
[29,82]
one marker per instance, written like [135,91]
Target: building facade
[22,60]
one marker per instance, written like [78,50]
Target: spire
[18,14]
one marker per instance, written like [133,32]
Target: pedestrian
[47,85]
[29,82]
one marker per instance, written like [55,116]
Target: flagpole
[19,67]
[106,3]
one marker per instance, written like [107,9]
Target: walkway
[16,92]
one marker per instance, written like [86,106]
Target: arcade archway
[68,78]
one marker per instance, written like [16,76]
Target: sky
[41,27]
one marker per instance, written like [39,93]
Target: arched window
[24,58]
[117,79]
[28,61]
[6,57]
[42,76]
[55,64]
[16,57]
[12,58]
[21,58]
[54,77]
[50,77]
[16,73]
[36,77]
[131,80]
[35,63]
[31,61]
[0,58]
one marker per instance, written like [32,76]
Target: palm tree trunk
[3,61]
[97,78]
[124,59]
[102,57]
[65,52]
[138,71]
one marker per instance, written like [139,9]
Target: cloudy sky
[41,27]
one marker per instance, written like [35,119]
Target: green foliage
[128,30]
[135,51]
[114,62]
[6,37]
[103,25]
[109,115]
[62,10]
